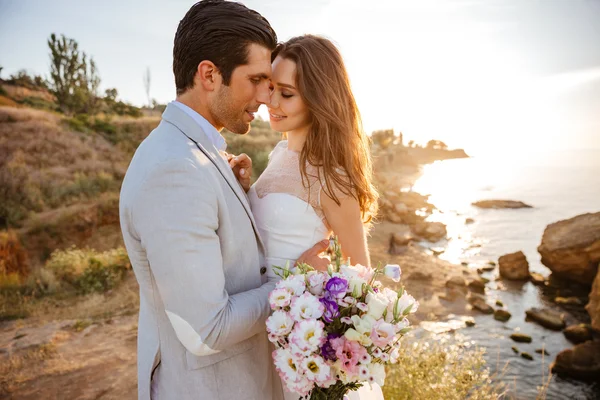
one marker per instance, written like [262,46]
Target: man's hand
[242,168]
[313,258]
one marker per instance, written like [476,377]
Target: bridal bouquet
[336,330]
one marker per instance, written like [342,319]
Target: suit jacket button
[263,270]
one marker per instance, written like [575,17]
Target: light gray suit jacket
[198,259]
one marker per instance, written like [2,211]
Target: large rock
[479,303]
[593,307]
[578,333]
[501,204]
[514,266]
[571,248]
[547,318]
[580,362]
[430,231]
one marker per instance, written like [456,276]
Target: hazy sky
[486,75]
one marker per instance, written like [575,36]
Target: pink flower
[382,333]
[349,353]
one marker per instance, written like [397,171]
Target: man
[187,225]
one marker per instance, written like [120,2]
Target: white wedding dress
[290,221]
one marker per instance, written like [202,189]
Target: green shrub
[87,270]
[2,91]
[39,103]
[105,126]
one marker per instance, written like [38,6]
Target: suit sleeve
[176,218]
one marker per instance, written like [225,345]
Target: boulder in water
[514,266]
[593,307]
[581,362]
[578,333]
[547,318]
[571,248]
[501,204]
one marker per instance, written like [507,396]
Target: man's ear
[208,75]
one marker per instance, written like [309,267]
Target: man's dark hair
[218,31]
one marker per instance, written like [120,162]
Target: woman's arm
[346,222]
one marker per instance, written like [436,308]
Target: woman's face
[287,110]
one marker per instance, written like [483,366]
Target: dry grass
[15,368]
[44,166]
[20,93]
[427,370]
[7,102]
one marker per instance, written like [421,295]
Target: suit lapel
[187,126]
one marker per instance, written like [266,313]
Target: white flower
[280,298]
[308,335]
[363,372]
[382,333]
[316,282]
[363,325]
[392,271]
[316,369]
[362,306]
[350,300]
[377,352]
[404,302]
[306,306]
[404,323]
[362,330]
[377,373]
[295,284]
[280,323]
[394,356]
[378,303]
[302,386]
[286,365]
[385,357]
[357,271]
[357,276]
[346,320]
[365,358]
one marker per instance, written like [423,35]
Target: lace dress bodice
[288,214]
[283,176]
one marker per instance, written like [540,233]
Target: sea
[559,185]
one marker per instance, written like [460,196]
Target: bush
[104,126]
[39,103]
[87,270]
[13,258]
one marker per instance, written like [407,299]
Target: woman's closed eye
[286,95]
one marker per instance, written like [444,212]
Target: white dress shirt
[213,134]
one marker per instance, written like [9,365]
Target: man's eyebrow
[261,76]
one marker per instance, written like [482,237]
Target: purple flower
[331,309]
[337,287]
[327,351]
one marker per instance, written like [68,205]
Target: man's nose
[263,95]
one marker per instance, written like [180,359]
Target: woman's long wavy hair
[336,143]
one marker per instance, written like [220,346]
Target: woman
[318,181]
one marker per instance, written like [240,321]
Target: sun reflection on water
[452,187]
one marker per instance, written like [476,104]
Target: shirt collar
[215,137]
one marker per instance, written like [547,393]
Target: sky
[490,76]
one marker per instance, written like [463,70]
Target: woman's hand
[241,166]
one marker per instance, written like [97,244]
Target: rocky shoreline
[569,248]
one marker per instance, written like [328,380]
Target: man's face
[233,106]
